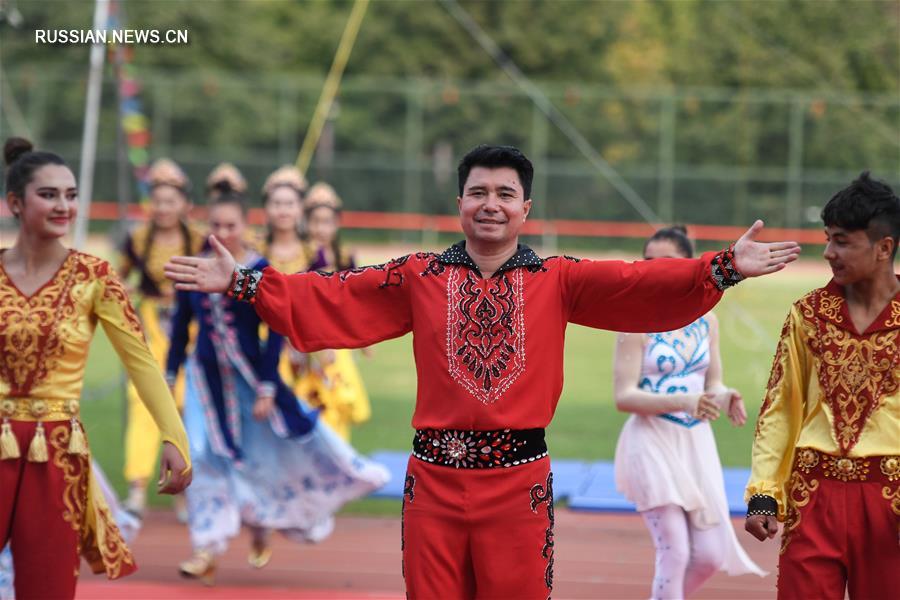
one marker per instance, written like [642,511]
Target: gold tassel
[37,450]
[9,446]
[77,443]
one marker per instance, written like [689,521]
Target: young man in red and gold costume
[51,299]
[488,318]
[826,457]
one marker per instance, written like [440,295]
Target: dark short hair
[493,157]
[226,194]
[22,160]
[677,234]
[866,204]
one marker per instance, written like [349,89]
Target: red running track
[598,555]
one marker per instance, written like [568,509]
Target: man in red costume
[488,317]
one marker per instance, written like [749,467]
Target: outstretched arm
[349,309]
[666,294]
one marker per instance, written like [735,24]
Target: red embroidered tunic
[488,352]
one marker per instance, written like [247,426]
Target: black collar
[524,257]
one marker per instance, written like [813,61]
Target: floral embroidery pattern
[434,267]
[893,496]
[799,494]
[894,319]
[409,494]
[485,332]
[540,494]
[777,373]
[30,340]
[391,269]
[855,372]
[74,471]
[99,539]
[830,307]
[114,291]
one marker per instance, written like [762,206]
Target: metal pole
[91,121]
[793,215]
[332,82]
[412,160]
[539,136]
[122,165]
[666,200]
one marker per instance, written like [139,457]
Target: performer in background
[286,248]
[285,245]
[261,457]
[145,251]
[227,173]
[331,380]
[51,299]
[826,455]
[488,317]
[666,459]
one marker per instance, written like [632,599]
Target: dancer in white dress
[666,458]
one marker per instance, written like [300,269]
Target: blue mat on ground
[598,490]
[587,486]
[568,475]
[396,464]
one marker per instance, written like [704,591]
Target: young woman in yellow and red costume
[285,246]
[51,299]
[826,455]
[145,251]
[332,380]
[488,318]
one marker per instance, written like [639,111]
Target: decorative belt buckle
[845,467]
[807,459]
[38,408]
[890,466]
[8,407]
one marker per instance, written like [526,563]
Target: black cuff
[244,284]
[760,504]
[724,272]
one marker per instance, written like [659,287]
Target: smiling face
[50,203]
[493,206]
[284,209]
[853,256]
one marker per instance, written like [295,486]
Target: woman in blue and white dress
[261,458]
[666,459]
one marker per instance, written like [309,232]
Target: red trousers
[478,533]
[41,511]
[841,534]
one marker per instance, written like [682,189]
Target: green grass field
[586,424]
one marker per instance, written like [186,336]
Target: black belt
[467,449]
